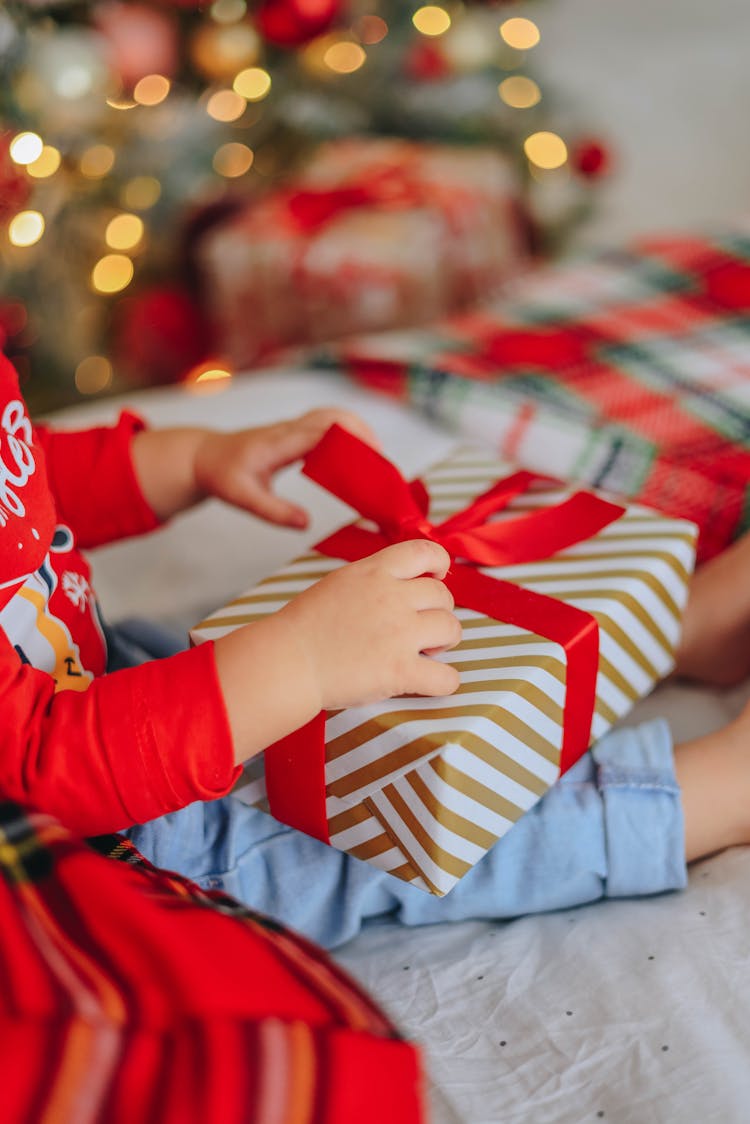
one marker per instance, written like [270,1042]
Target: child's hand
[238,467]
[365,632]
[361,631]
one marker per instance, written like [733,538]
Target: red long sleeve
[134,745]
[93,481]
[105,751]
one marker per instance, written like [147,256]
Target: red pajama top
[127,993]
[98,751]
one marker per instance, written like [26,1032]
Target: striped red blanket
[128,994]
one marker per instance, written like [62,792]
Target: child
[122,749]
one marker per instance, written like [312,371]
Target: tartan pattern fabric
[628,370]
[127,993]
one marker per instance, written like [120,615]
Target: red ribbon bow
[357,474]
[311,208]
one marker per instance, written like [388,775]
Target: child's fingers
[323,418]
[290,442]
[415,558]
[294,439]
[274,509]
[438,628]
[434,678]
[430,593]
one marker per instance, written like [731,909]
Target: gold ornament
[218,51]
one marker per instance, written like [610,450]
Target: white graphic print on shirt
[38,635]
[17,431]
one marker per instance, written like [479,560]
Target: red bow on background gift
[311,209]
[391,186]
[357,474]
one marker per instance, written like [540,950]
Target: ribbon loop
[362,477]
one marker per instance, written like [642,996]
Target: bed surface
[634,1011]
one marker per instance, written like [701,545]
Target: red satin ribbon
[311,209]
[357,474]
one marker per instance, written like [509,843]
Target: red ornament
[160,334]
[590,159]
[15,188]
[292,23]
[425,62]
[13,320]
[139,40]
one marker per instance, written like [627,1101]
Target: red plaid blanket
[128,994]
[628,370]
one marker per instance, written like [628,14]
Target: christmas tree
[124,125]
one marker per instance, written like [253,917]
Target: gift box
[626,370]
[570,606]
[373,234]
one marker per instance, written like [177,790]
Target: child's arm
[176,468]
[91,477]
[148,740]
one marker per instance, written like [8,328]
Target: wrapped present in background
[629,371]
[558,643]
[372,234]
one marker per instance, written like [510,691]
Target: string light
[97,161]
[226,105]
[46,164]
[124,232]
[74,81]
[93,374]
[523,34]
[344,57]
[221,51]
[233,159]
[371,30]
[151,90]
[25,148]
[519,92]
[15,317]
[228,11]
[253,84]
[112,273]
[121,102]
[208,378]
[546,150]
[431,20]
[26,228]
[141,192]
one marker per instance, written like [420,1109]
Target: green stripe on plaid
[612,278]
[606,456]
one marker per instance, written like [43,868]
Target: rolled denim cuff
[645,852]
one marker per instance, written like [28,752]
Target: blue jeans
[611,827]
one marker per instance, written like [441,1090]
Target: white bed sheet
[636,1012]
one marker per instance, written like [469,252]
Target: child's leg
[714,777]
[613,826]
[715,645]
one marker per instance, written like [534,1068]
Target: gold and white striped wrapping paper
[423,787]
